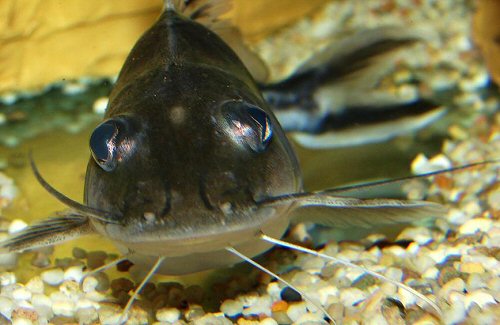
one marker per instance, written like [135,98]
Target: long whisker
[124,314]
[407,178]
[372,273]
[91,212]
[285,198]
[263,269]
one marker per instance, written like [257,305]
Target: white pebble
[421,235]
[89,284]
[53,277]
[63,308]
[21,294]
[74,273]
[454,315]
[454,285]
[310,318]
[296,310]
[352,296]
[6,306]
[21,321]
[479,297]
[7,278]
[17,225]
[100,105]
[35,285]
[231,307]
[431,273]
[8,260]
[274,290]
[168,315]
[262,306]
[474,225]
[41,300]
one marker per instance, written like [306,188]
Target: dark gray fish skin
[179,163]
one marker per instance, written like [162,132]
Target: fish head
[188,145]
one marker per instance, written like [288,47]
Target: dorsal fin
[209,13]
[205,12]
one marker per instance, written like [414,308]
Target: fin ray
[49,232]
[342,212]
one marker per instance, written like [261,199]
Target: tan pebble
[194,312]
[21,321]
[352,296]
[470,267]
[274,290]
[6,306]
[7,278]
[296,310]
[231,307]
[431,273]
[169,315]
[427,320]
[71,289]
[479,297]
[213,319]
[89,284]
[474,225]
[454,285]
[21,293]
[39,299]
[35,285]
[63,308]
[53,277]
[74,273]
[24,313]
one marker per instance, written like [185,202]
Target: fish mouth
[96,214]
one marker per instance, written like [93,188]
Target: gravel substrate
[455,262]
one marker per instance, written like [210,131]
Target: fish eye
[248,124]
[105,142]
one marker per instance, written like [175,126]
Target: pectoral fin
[51,231]
[341,212]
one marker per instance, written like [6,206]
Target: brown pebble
[20,312]
[149,291]
[446,274]
[17,116]
[194,294]
[40,260]
[96,259]
[165,287]
[64,263]
[103,281]
[121,285]
[160,301]
[124,266]
[79,253]
[176,297]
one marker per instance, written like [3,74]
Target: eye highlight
[105,143]
[248,124]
